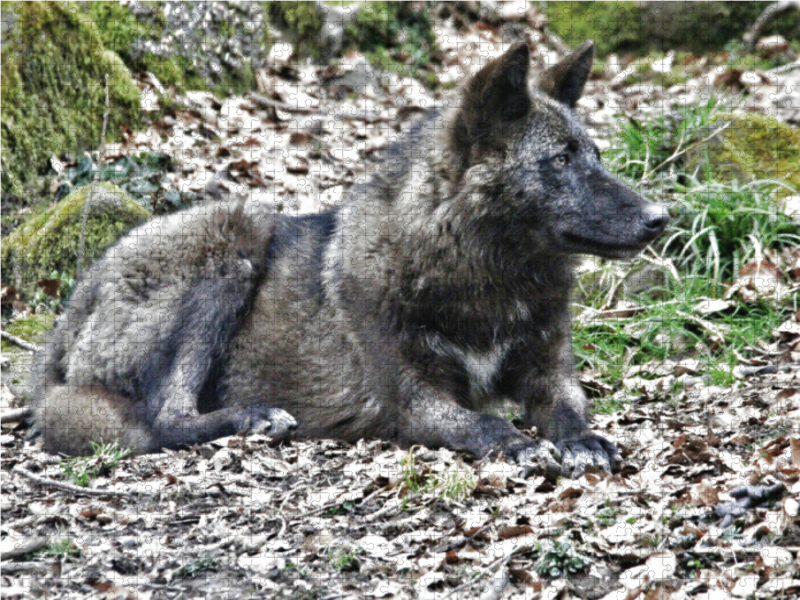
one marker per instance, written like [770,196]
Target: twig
[647,159]
[283,527]
[16,415]
[391,505]
[490,569]
[496,587]
[25,547]
[371,117]
[89,198]
[715,551]
[460,542]
[310,513]
[11,568]
[19,341]
[161,586]
[785,68]
[765,17]
[68,487]
[105,127]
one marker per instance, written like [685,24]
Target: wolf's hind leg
[210,316]
[73,417]
[70,418]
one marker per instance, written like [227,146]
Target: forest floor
[242,517]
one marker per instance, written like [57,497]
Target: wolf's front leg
[433,419]
[558,408]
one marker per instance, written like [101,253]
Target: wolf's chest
[482,367]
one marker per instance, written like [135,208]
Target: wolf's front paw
[539,457]
[274,422]
[588,452]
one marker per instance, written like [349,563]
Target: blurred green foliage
[640,27]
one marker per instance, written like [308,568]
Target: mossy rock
[217,55]
[50,241]
[304,22]
[53,94]
[754,146]
[395,36]
[641,27]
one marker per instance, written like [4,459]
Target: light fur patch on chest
[482,367]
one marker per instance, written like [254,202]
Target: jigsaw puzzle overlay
[400,300]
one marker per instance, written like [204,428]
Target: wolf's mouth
[603,248]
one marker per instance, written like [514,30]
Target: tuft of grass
[396,37]
[645,151]
[608,516]
[83,470]
[62,549]
[720,227]
[454,483]
[344,558]
[457,482]
[411,478]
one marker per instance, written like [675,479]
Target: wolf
[439,285]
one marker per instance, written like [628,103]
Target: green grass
[344,558]
[608,516]
[32,329]
[82,470]
[643,151]
[62,549]
[456,482]
[717,228]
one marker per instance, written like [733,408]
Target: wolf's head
[548,187]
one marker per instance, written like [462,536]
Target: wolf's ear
[500,89]
[565,80]
[497,94]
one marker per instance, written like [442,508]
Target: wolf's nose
[655,219]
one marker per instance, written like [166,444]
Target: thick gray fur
[439,286]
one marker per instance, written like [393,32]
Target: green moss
[49,241]
[753,147]
[183,68]
[31,329]
[394,36]
[119,29]
[303,20]
[639,27]
[614,26]
[53,68]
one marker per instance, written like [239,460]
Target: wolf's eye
[562,160]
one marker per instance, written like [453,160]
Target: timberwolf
[440,284]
